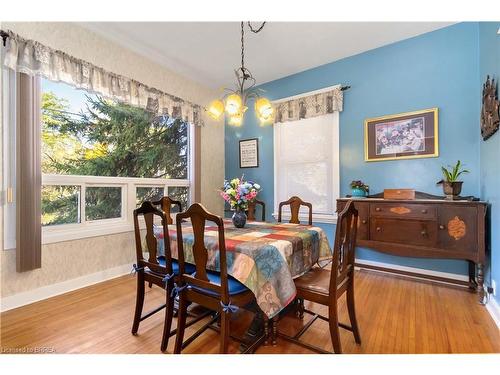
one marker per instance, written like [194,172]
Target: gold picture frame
[408,135]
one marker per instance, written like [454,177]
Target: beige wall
[67,260]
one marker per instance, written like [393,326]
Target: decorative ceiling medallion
[456,228]
[400,210]
[490,118]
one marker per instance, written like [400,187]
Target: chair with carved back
[166,204]
[252,207]
[214,290]
[157,269]
[295,203]
[325,287]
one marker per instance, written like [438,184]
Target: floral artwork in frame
[402,136]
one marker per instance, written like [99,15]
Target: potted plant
[451,186]
[238,193]
[359,189]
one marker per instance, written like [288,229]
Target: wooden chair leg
[181,324]
[150,284]
[139,302]
[333,321]
[225,319]
[352,313]
[300,308]
[169,313]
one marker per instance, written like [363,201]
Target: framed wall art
[402,136]
[249,153]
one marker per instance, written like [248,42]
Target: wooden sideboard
[425,227]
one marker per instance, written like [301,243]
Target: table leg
[266,331]
[275,330]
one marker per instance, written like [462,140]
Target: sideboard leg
[472,275]
[480,281]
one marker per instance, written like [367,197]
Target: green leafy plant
[451,174]
[358,184]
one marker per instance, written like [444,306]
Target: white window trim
[317,218]
[94,228]
[9,158]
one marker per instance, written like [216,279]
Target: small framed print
[402,136]
[249,153]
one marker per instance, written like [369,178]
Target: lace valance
[309,106]
[31,57]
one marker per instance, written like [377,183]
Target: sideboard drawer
[421,233]
[403,210]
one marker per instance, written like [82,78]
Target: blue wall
[437,69]
[489,64]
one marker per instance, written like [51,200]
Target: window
[306,164]
[101,159]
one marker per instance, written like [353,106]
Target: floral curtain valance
[309,106]
[31,57]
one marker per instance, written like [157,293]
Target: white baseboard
[25,298]
[494,310]
[448,275]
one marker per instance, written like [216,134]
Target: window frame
[84,229]
[303,215]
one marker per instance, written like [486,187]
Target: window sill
[77,232]
[317,218]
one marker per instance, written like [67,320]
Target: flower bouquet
[238,193]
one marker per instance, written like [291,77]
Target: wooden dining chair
[215,290]
[159,270]
[166,204]
[325,287]
[295,203]
[252,207]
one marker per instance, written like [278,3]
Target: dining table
[264,256]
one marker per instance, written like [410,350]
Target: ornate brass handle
[441,226]
[378,229]
[423,233]
[424,211]
[378,209]
[363,221]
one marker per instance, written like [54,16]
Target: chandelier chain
[243,43]
[242,48]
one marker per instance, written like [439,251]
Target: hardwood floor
[396,315]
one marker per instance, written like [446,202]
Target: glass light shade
[233,104]
[216,109]
[264,109]
[236,119]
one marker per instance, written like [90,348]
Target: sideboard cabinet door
[457,227]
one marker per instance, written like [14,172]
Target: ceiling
[208,52]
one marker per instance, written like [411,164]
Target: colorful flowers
[239,192]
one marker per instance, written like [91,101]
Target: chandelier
[234,102]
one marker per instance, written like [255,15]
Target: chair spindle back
[344,246]
[149,212]
[251,209]
[166,204]
[198,216]
[295,203]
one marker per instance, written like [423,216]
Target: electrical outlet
[494,287]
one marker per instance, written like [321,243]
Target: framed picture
[249,153]
[402,136]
